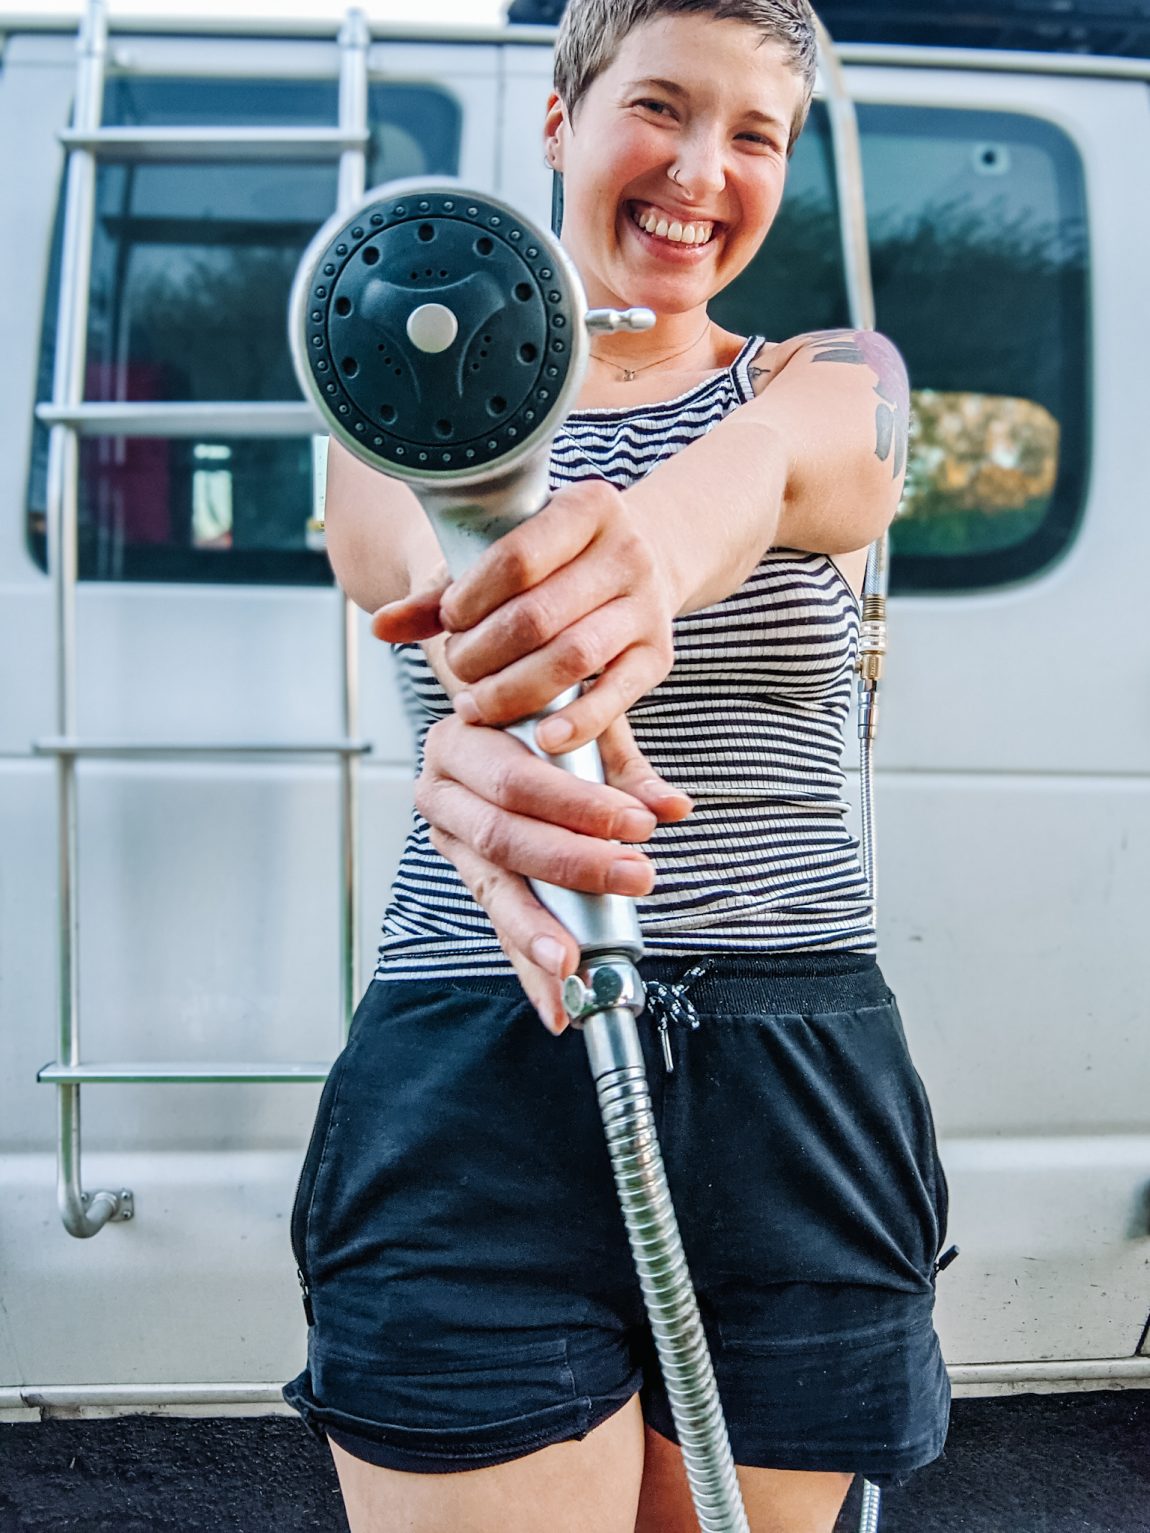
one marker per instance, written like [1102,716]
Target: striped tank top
[750,722]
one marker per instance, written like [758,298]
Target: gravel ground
[1076,1463]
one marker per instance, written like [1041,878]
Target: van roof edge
[902,55]
[999,60]
[161,23]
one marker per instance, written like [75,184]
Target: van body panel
[200,1289]
[1013,815]
[1057,1264]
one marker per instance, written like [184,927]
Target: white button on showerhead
[432,327]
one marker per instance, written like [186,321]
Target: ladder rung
[181,1073]
[111,749]
[280,419]
[216,143]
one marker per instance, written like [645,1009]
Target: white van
[203,722]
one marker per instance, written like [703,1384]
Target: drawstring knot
[671,1003]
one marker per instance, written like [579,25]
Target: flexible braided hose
[872,1497]
[645,1198]
[867,818]
[871,1508]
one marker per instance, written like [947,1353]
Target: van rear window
[979,251]
[191,268]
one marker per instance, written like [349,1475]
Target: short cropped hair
[592,32]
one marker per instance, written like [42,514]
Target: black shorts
[469,1281]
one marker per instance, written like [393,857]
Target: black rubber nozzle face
[438,331]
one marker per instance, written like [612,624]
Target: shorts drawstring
[671,1003]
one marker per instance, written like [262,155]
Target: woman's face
[674,166]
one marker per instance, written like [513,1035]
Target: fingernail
[554,733]
[549,955]
[628,877]
[634,825]
[556,1026]
[464,705]
[653,788]
[663,796]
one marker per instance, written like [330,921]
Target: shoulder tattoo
[866,348]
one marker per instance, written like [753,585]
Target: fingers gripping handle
[466,527]
[600,923]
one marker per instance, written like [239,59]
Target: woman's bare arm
[379,541]
[589,587]
[382,549]
[816,462]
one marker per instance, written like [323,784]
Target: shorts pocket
[800,1147]
[869,1398]
[309,1172]
[423,1401]
[930,1161]
[941,1200]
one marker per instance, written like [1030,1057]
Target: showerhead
[442,336]
[443,339]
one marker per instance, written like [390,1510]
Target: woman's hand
[576,592]
[502,815]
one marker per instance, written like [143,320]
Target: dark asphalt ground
[1075,1463]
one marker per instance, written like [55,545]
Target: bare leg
[777,1500]
[569,1488]
[622,1478]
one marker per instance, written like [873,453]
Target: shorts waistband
[733,983]
[739,984]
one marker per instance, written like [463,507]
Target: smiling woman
[479,1355]
[647,146]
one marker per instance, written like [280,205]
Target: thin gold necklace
[629,374]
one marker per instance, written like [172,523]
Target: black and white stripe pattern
[749,722]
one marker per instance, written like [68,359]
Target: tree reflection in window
[982,472]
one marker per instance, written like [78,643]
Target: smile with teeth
[653,220]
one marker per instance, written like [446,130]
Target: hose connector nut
[870,666]
[602,984]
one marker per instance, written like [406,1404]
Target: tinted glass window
[192,266]
[796,282]
[978,243]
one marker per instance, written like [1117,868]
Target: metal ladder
[86,143]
